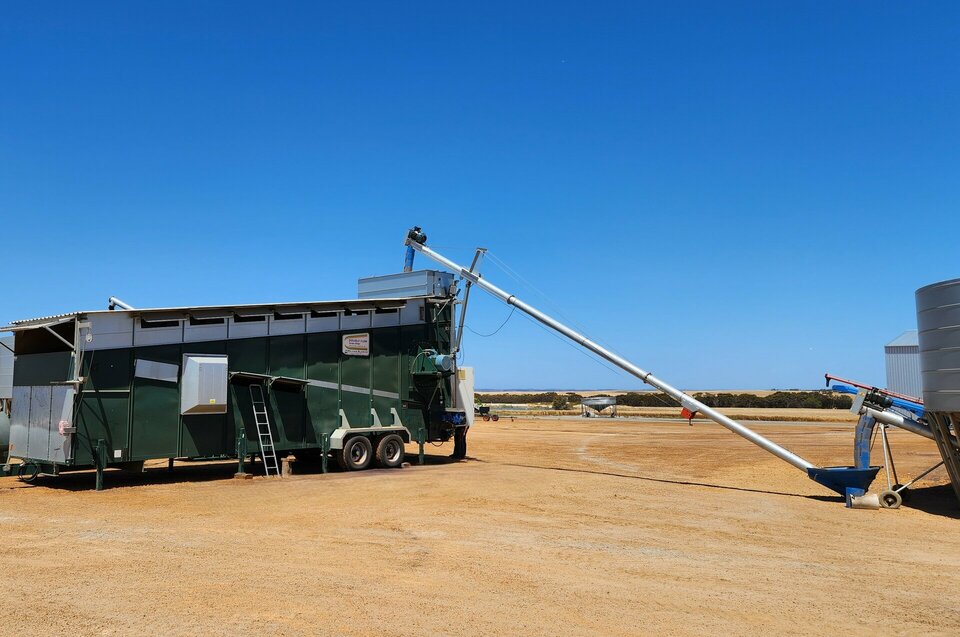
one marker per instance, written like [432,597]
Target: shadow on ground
[187,471]
[935,500]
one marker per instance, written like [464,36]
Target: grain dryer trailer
[350,379]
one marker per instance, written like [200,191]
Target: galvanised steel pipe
[114,303]
[685,400]
[907,424]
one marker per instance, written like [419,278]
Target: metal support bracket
[65,341]
[466,300]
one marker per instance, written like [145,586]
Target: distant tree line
[542,398]
[780,399]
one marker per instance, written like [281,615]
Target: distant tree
[560,402]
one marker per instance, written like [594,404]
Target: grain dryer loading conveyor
[850,482]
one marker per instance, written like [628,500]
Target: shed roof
[213,310]
[907,339]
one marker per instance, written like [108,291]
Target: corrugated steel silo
[938,320]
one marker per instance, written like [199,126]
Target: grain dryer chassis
[116,388]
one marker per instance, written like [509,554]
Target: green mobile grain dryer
[353,379]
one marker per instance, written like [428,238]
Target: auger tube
[685,400]
[114,303]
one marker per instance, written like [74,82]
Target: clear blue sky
[733,195]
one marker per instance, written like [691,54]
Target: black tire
[495,417]
[390,451]
[890,500]
[28,476]
[356,455]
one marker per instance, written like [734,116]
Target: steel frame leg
[101,462]
[420,440]
[324,450]
[888,465]
[241,451]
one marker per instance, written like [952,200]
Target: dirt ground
[552,527]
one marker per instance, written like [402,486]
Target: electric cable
[505,321]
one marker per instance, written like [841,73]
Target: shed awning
[38,324]
[283,381]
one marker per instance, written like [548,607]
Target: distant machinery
[902,357]
[597,405]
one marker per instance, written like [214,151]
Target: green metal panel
[104,411]
[355,372]
[107,369]
[155,425]
[323,356]
[412,339]
[102,416]
[248,355]
[323,364]
[241,411]
[288,413]
[156,419]
[163,353]
[287,357]
[385,358]
[42,369]
[207,436]
[4,435]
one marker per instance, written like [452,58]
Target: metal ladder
[267,452]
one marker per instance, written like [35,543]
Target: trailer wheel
[495,417]
[28,476]
[357,453]
[486,417]
[390,452]
[903,493]
[890,500]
